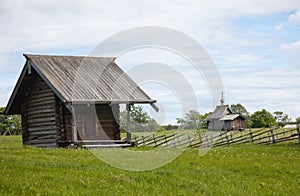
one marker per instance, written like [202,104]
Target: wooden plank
[40,89]
[35,98]
[41,111]
[40,128]
[48,145]
[42,124]
[39,82]
[39,94]
[48,135]
[43,99]
[41,103]
[45,123]
[42,133]
[41,137]
[36,109]
[41,120]
[43,128]
[41,116]
[41,141]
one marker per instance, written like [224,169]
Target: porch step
[106,145]
[91,142]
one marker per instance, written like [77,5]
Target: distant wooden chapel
[222,118]
[67,100]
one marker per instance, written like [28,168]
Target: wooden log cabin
[76,100]
[222,118]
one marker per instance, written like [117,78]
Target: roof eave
[111,101]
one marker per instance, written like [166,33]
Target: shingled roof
[231,117]
[81,79]
[219,112]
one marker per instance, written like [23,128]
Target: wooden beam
[29,69]
[154,107]
[128,131]
[74,128]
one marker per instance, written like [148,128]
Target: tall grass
[234,170]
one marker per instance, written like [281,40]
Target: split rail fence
[222,138]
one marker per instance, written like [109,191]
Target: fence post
[154,139]
[272,135]
[206,138]
[189,140]
[166,141]
[143,140]
[227,139]
[298,131]
[135,141]
[251,136]
[200,138]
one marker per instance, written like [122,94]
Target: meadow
[245,169]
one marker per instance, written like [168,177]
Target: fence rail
[221,138]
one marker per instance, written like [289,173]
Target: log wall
[46,121]
[238,123]
[63,123]
[39,115]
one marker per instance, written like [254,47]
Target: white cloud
[242,59]
[67,27]
[273,88]
[291,47]
[295,17]
[279,25]
[40,25]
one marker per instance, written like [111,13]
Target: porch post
[74,130]
[128,131]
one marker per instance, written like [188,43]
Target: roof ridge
[28,56]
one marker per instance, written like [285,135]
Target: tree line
[11,125]
[142,122]
[259,119]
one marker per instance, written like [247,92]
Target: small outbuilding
[223,118]
[67,100]
[233,122]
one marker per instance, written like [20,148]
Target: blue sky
[255,44]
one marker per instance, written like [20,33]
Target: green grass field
[235,170]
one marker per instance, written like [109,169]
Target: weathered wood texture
[238,123]
[47,122]
[100,122]
[63,123]
[39,114]
[222,138]
[235,124]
